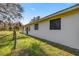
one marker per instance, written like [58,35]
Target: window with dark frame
[55,24]
[36,26]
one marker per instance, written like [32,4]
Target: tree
[18,26]
[11,12]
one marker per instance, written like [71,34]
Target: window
[36,27]
[55,24]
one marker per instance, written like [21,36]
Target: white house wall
[68,35]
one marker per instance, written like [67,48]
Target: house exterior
[61,27]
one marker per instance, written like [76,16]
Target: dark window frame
[36,26]
[55,24]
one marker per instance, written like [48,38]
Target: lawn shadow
[4,42]
[4,36]
[21,38]
[33,50]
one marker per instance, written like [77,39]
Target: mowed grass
[27,45]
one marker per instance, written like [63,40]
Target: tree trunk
[14,39]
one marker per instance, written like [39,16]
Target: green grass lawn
[27,45]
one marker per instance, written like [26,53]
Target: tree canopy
[10,12]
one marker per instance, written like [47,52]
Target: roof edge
[56,13]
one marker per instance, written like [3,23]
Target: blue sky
[41,9]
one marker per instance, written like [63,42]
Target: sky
[41,9]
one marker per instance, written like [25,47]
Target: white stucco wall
[68,35]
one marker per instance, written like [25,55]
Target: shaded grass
[5,42]
[27,45]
